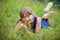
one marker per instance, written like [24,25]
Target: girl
[29,20]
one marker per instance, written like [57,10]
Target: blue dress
[44,24]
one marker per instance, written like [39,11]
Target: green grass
[9,14]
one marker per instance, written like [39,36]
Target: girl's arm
[20,25]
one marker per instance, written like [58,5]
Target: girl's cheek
[31,19]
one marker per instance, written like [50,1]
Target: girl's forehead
[25,15]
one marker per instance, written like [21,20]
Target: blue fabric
[44,24]
[34,24]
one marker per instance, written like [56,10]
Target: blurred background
[9,14]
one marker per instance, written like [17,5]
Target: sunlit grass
[9,14]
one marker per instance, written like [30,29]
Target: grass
[9,14]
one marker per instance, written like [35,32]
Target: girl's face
[27,15]
[28,18]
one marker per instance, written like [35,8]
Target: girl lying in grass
[29,21]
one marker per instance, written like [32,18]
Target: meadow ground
[9,14]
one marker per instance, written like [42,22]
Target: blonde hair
[27,11]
